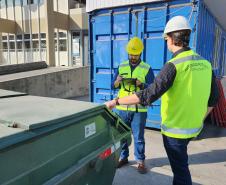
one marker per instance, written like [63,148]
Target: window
[62,35]
[19,45]
[10,3]
[27,2]
[35,45]
[4,38]
[76,47]
[37,1]
[2,4]
[12,46]
[30,1]
[27,44]
[5,46]
[19,37]
[17,2]
[63,45]
[26,36]
[43,35]
[11,37]
[34,36]
[76,34]
[43,44]
[24,2]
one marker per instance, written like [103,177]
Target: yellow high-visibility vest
[127,88]
[185,104]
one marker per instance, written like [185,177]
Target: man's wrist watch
[116,101]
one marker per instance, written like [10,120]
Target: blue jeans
[136,121]
[176,150]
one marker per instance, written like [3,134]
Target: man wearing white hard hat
[187,86]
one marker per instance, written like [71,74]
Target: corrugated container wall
[110,30]
[211,43]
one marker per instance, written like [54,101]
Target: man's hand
[118,81]
[110,104]
[138,83]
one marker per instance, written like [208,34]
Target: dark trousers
[176,150]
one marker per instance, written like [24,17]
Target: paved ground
[207,161]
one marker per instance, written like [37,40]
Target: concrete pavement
[207,158]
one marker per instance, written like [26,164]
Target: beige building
[55,31]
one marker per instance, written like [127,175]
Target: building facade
[55,31]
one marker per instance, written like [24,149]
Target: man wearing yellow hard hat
[132,76]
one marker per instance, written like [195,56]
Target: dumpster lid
[6,93]
[31,112]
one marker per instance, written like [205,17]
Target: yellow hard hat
[135,46]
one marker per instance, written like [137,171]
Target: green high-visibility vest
[185,104]
[127,87]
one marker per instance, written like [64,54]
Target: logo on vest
[196,67]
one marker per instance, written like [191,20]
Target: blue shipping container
[110,30]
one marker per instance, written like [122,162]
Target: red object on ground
[218,115]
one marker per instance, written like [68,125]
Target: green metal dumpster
[55,141]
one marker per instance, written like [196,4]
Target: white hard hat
[177,23]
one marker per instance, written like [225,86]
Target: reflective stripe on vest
[181,131]
[132,108]
[187,58]
[141,65]
[124,65]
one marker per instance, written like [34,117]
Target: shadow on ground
[151,178]
[155,178]
[214,156]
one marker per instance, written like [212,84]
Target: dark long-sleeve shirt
[149,78]
[164,80]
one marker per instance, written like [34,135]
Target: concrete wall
[78,19]
[51,82]
[9,26]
